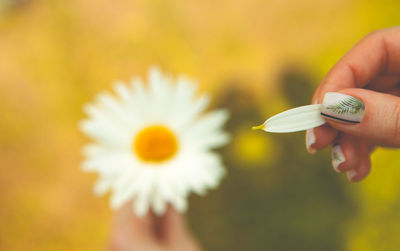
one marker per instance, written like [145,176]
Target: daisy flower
[152,145]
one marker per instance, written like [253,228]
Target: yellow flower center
[155,144]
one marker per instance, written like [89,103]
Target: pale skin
[370,71]
[150,233]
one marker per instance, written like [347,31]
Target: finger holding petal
[364,167]
[345,153]
[320,137]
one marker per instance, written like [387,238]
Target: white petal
[124,190]
[210,122]
[180,203]
[190,113]
[105,133]
[145,186]
[159,205]
[141,206]
[101,187]
[123,92]
[297,119]
[108,164]
[209,141]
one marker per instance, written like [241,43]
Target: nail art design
[337,157]
[310,140]
[342,107]
[351,174]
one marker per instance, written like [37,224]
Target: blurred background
[257,58]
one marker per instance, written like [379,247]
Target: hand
[369,72]
[150,233]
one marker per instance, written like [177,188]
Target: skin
[151,233]
[370,71]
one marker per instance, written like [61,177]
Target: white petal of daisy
[181,99]
[131,101]
[179,203]
[124,92]
[141,95]
[159,205]
[116,110]
[102,186]
[209,173]
[210,122]
[109,164]
[102,127]
[141,205]
[207,133]
[160,95]
[191,112]
[143,199]
[151,145]
[124,190]
[293,120]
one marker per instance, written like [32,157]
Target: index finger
[377,53]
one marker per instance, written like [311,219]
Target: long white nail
[342,107]
[310,140]
[351,174]
[337,157]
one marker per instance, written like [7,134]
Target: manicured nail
[351,174]
[342,107]
[337,157]
[310,140]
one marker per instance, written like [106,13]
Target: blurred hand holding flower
[151,233]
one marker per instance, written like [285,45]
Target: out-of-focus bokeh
[257,57]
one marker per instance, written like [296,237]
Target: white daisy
[152,145]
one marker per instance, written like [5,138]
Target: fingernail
[310,140]
[351,174]
[337,157]
[342,107]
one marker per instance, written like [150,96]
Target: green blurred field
[256,57]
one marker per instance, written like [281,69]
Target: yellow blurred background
[251,54]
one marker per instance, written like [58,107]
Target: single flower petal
[293,120]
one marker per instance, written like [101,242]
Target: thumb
[364,113]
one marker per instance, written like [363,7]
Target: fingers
[173,225]
[359,66]
[126,223]
[130,231]
[166,232]
[175,232]
[365,114]
[345,153]
[384,83]
[320,137]
[361,172]
[373,63]
[352,156]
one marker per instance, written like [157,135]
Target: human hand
[150,233]
[369,72]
